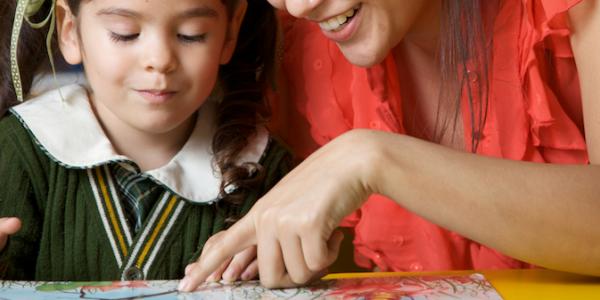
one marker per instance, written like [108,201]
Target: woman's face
[364,30]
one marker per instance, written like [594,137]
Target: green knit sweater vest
[71,229]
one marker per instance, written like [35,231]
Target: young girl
[128,177]
[454,128]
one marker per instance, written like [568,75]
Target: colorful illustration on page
[473,286]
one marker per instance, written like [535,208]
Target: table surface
[520,284]
[517,284]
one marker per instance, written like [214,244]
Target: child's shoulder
[16,141]
[11,127]
[45,122]
[62,123]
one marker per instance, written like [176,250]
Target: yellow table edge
[516,284]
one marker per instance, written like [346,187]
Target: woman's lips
[345,31]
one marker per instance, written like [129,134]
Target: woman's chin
[361,56]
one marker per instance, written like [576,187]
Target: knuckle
[284,229]
[300,278]
[209,244]
[234,267]
[265,219]
[310,222]
[193,277]
[245,257]
[288,219]
[213,242]
[269,282]
[317,264]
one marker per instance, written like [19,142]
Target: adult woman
[513,64]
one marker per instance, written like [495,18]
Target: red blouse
[534,114]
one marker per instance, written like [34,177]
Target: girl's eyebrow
[200,12]
[119,12]
[197,12]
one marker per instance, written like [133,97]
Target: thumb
[334,243]
[8,226]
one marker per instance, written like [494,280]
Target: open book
[473,286]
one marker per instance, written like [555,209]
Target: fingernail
[228,275]
[184,285]
[211,278]
[246,276]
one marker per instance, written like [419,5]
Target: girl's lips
[155,96]
[347,31]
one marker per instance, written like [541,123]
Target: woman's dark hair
[242,82]
[465,47]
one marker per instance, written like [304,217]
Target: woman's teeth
[338,21]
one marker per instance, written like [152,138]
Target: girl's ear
[233,32]
[68,38]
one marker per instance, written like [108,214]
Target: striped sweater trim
[143,251]
[110,212]
[152,237]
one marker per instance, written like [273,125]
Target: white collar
[71,135]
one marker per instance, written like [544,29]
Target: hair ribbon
[25,10]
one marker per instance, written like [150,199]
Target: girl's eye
[192,38]
[123,37]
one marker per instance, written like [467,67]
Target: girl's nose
[160,57]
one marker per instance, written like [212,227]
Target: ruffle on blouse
[546,83]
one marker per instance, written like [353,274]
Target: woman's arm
[545,214]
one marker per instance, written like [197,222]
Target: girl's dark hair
[242,82]
[465,47]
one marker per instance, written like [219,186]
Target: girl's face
[365,30]
[150,63]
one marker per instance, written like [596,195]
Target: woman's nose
[301,8]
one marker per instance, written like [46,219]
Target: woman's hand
[242,266]
[8,226]
[294,224]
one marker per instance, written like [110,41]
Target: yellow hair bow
[25,10]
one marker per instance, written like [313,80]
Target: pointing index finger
[217,249]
